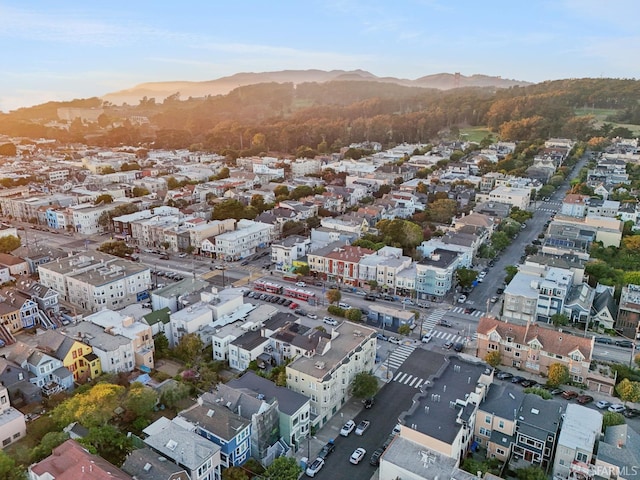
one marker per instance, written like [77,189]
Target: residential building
[442,417]
[219,424]
[435,274]
[574,205]
[76,356]
[325,372]
[46,372]
[286,252]
[338,263]
[618,453]
[534,348]
[516,197]
[244,241]
[71,461]
[537,431]
[497,420]
[628,321]
[97,281]
[294,409]
[16,379]
[390,318]
[145,464]
[575,452]
[12,423]
[184,447]
[16,265]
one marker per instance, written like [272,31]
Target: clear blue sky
[60,50]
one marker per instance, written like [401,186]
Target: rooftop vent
[171,445]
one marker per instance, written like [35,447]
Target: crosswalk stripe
[404,375]
[398,375]
[407,380]
[413,381]
[419,383]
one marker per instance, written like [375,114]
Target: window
[500,451]
[485,432]
[501,424]
[487,419]
[582,457]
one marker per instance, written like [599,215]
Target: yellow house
[75,355]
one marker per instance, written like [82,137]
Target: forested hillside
[326,116]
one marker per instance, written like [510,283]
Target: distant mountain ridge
[222,86]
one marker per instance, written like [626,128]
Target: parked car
[602,404]
[458,346]
[500,291]
[301,312]
[556,391]
[584,399]
[494,299]
[570,395]
[375,457]
[528,383]
[315,467]
[362,427]
[395,340]
[344,306]
[445,323]
[617,408]
[380,336]
[448,345]
[328,448]
[462,298]
[604,340]
[330,321]
[631,412]
[388,298]
[357,455]
[624,343]
[368,402]
[370,298]
[517,379]
[182,255]
[347,428]
[504,375]
[301,284]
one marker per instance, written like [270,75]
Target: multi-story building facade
[435,275]
[288,250]
[628,320]
[12,423]
[535,348]
[75,355]
[97,281]
[244,241]
[325,373]
[338,263]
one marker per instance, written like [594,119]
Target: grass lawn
[474,134]
[601,114]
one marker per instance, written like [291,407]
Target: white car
[330,321]
[617,407]
[362,427]
[357,455]
[315,467]
[312,315]
[348,428]
[182,255]
[301,284]
[602,404]
[344,306]
[395,340]
[462,298]
[427,337]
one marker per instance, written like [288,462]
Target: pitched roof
[560,343]
[145,464]
[70,461]
[289,402]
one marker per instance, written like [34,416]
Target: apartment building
[435,274]
[245,240]
[628,320]
[97,281]
[575,452]
[338,263]
[325,372]
[12,423]
[533,348]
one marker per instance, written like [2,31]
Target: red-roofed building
[533,348]
[70,461]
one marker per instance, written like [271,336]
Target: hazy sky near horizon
[68,49]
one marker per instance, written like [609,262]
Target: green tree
[609,419]
[234,473]
[189,349]
[531,473]
[173,395]
[511,272]
[109,442]
[334,295]
[9,470]
[281,192]
[559,319]
[628,391]
[541,392]
[364,385]
[9,243]
[493,358]
[557,374]
[161,345]
[500,241]
[103,199]
[50,441]
[118,248]
[94,407]
[466,277]
[404,329]
[442,210]
[354,315]
[139,191]
[140,400]
[230,208]
[283,468]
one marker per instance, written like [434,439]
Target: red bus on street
[267,287]
[298,293]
